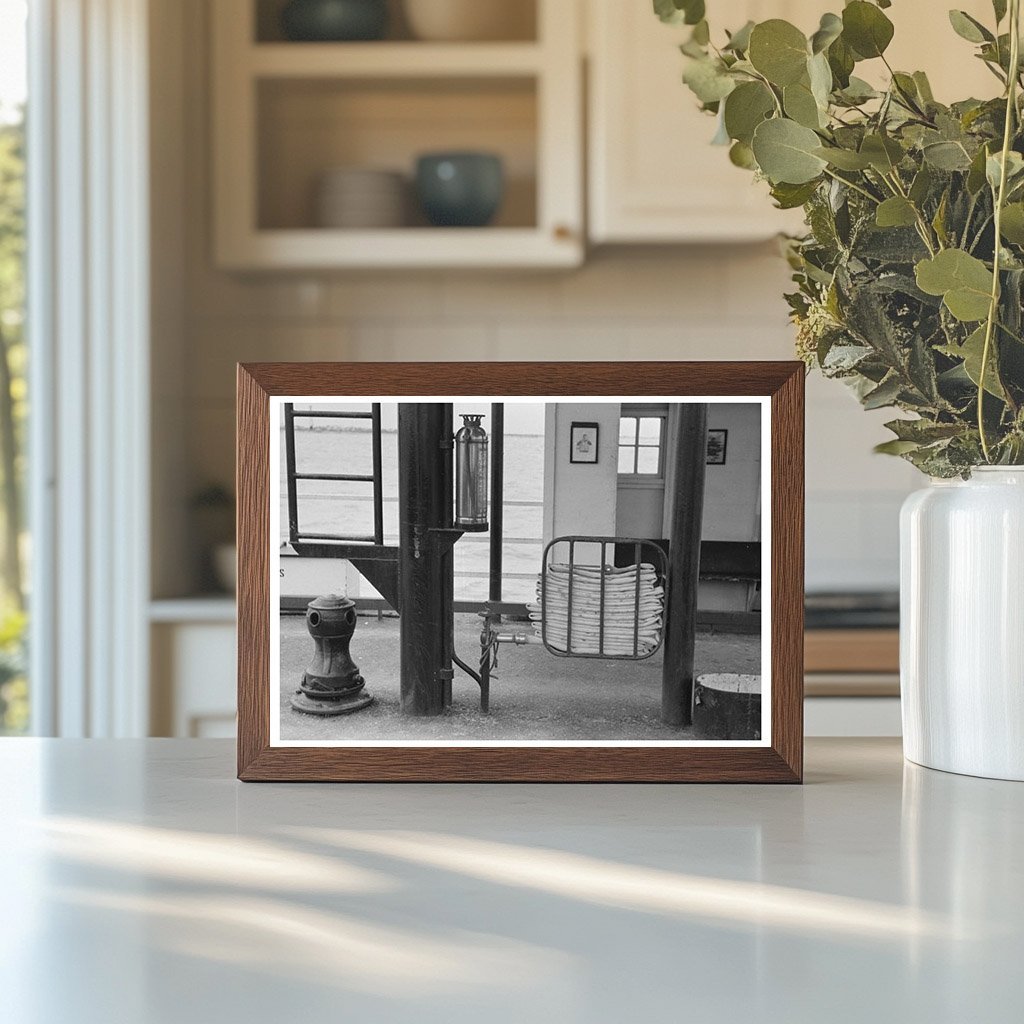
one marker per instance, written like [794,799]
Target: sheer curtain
[88,298]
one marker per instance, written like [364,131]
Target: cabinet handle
[563,232]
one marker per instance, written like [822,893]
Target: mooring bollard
[332,684]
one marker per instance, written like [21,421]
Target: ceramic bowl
[357,197]
[470,20]
[460,189]
[334,20]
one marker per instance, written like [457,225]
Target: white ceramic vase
[962,624]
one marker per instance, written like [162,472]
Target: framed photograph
[718,441]
[583,443]
[403,529]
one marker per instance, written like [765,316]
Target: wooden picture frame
[779,386]
[584,443]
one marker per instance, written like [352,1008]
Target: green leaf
[924,87]
[923,431]
[801,106]
[789,197]
[708,80]
[1014,169]
[963,281]
[896,212]
[841,60]
[741,155]
[820,76]
[972,352]
[883,153]
[1012,226]
[884,395]
[939,220]
[947,156]
[785,152]
[866,29]
[896,447]
[830,29]
[844,159]
[676,12]
[999,6]
[858,91]
[922,185]
[969,28]
[745,108]
[779,51]
[976,174]
[739,41]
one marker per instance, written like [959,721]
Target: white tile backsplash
[714,303]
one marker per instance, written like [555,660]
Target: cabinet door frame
[553,63]
[617,210]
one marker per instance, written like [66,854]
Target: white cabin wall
[581,498]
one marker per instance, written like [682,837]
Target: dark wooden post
[497,513]
[684,565]
[425,574]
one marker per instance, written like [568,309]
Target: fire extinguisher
[471,473]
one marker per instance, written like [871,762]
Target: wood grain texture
[782,762]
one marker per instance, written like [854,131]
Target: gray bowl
[461,190]
[334,20]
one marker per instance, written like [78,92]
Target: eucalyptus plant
[910,278]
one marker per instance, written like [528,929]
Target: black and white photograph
[519,571]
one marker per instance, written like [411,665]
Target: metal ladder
[295,534]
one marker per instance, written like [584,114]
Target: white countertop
[143,885]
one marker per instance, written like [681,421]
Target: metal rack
[639,546]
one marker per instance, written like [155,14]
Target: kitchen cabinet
[653,175]
[286,113]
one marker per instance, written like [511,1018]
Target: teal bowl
[334,21]
[460,190]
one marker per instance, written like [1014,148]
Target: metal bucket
[727,707]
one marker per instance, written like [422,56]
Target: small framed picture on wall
[583,442]
[717,442]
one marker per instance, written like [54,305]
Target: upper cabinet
[316,143]
[653,174]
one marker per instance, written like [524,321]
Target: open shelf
[393,60]
[308,127]
[287,113]
[519,19]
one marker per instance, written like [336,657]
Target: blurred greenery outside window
[14,690]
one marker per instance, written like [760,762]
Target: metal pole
[378,476]
[425,576]
[289,455]
[446,460]
[497,497]
[684,565]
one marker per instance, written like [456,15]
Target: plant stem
[849,184]
[993,309]
[923,228]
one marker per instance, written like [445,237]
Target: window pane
[650,430]
[626,454]
[648,460]
[627,430]
[14,695]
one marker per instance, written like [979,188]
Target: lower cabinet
[193,678]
